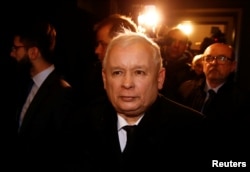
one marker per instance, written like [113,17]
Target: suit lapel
[41,94]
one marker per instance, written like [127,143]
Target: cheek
[146,88]
[227,70]
[205,67]
[12,54]
[112,84]
[18,57]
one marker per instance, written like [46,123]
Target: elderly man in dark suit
[220,99]
[219,66]
[166,134]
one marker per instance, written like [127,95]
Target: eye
[102,44]
[209,58]
[140,72]
[116,73]
[222,58]
[169,41]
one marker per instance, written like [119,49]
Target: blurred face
[18,50]
[176,44]
[216,71]
[197,66]
[103,39]
[20,54]
[132,79]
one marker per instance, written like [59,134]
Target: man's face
[20,54]
[103,39]
[215,71]
[132,78]
[176,44]
[197,64]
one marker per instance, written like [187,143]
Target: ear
[234,66]
[104,78]
[161,77]
[33,52]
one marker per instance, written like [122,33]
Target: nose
[175,43]
[127,81]
[98,49]
[214,61]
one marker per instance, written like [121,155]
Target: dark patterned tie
[206,107]
[130,129]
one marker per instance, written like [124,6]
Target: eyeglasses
[15,48]
[221,59]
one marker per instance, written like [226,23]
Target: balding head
[218,63]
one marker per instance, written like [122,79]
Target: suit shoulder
[64,83]
[178,109]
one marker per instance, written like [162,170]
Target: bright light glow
[186,27]
[141,29]
[149,18]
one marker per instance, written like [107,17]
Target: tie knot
[129,128]
[211,92]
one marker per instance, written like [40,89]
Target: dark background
[74,21]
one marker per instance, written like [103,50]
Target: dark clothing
[38,137]
[226,106]
[8,110]
[192,93]
[168,135]
[176,73]
[227,118]
[95,82]
[92,87]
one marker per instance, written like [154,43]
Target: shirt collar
[121,122]
[208,87]
[40,77]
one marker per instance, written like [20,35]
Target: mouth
[127,98]
[213,71]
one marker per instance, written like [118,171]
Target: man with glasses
[44,102]
[222,101]
[219,66]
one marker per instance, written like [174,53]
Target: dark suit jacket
[43,122]
[227,105]
[169,136]
[228,118]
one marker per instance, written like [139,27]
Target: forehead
[177,34]
[136,53]
[103,32]
[218,49]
